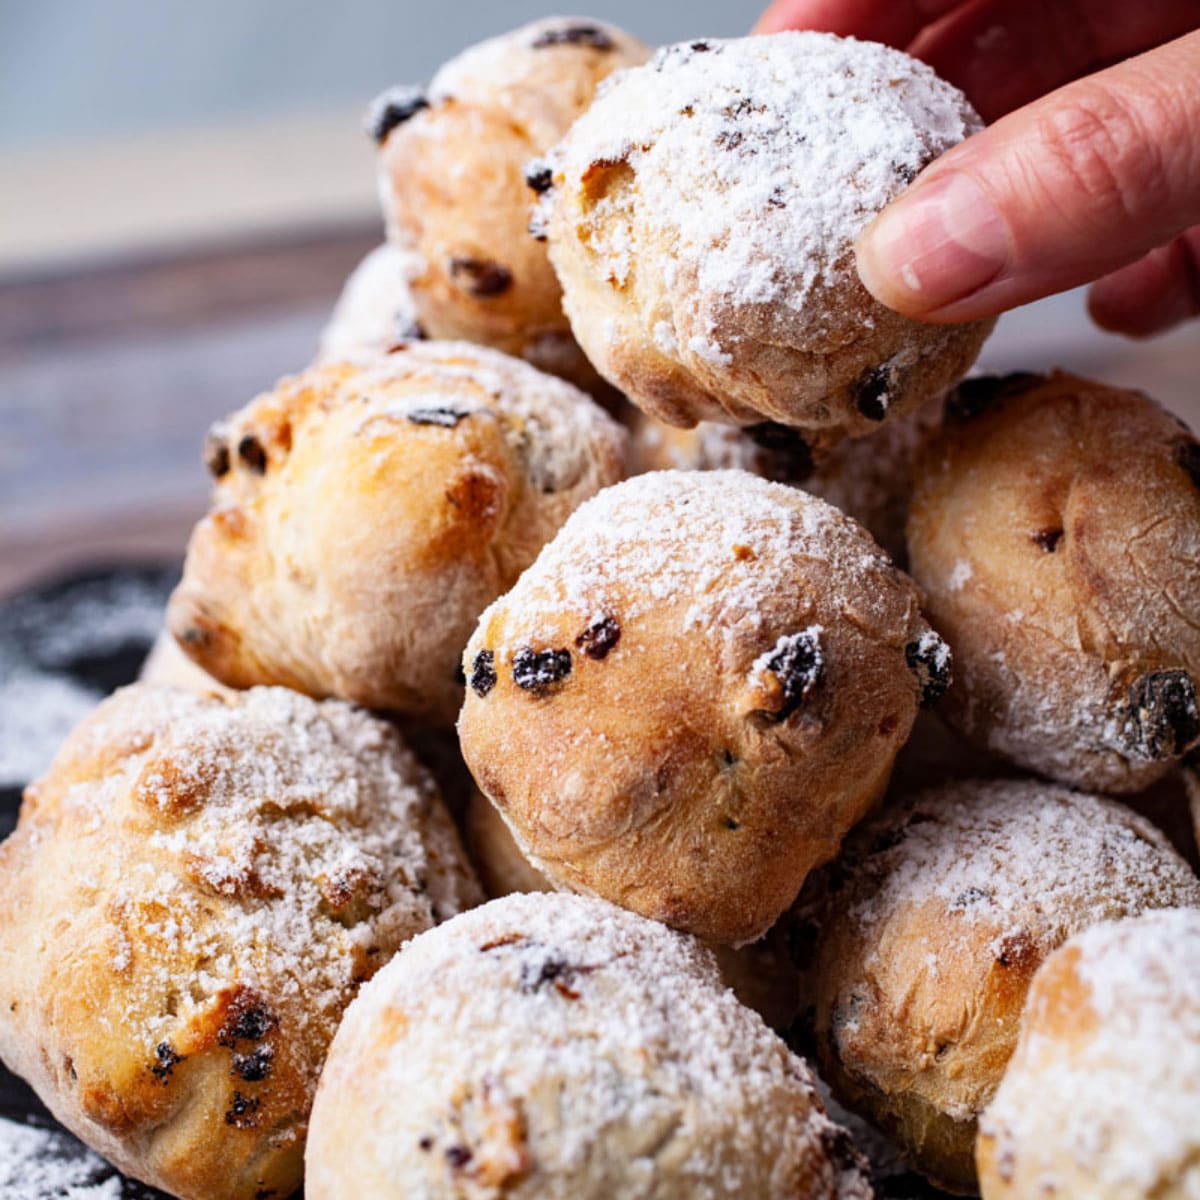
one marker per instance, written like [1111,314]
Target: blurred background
[184,186]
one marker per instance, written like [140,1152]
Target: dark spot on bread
[1188,457]
[699,47]
[425,1143]
[969,896]
[69,1066]
[255,1066]
[458,1156]
[251,452]
[871,392]
[727,758]
[551,972]
[732,823]
[1162,719]
[166,1060]
[539,670]
[539,176]
[1047,539]
[248,1020]
[394,107]
[216,455]
[930,661]
[973,397]
[574,35]
[448,418]
[483,672]
[480,277]
[242,1113]
[505,939]
[599,638]
[791,458]
[799,664]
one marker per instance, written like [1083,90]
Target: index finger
[895,22]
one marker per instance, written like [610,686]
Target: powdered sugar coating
[1102,1095]
[703,216]
[375,309]
[937,916]
[553,1046]
[197,859]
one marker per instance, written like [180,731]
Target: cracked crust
[553,1047]
[194,894]
[1055,530]
[935,919]
[367,511]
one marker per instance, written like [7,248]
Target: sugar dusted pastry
[937,916]
[1102,1095]
[1055,529]
[869,478]
[375,309]
[366,512]
[195,891]
[694,692]
[553,1047]
[701,216]
[452,176]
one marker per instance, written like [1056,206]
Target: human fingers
[1152,294]
[895,22]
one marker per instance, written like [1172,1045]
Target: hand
[1097,180]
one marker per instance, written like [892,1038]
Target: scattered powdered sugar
[1032,860]
[44,1164]
[759,160]
[960,574]
[549,995]
[1114,1101]
[376,308]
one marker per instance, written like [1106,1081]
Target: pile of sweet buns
[682,682]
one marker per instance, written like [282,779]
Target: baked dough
[553,1047]
[1055,529]
[366,512]
[869,478]
[193,895]
[936,917]
[1102,1095]
[167,666]
[701,216]
[375,309]
[452,178]
[693,693]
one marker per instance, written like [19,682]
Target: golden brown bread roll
[1102,1096]
[194,893]
[553,1047]
[366,512]
[701,217]
[693,693]
[1055,529]
[936,917]
[452,177]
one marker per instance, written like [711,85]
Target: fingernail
[938,244]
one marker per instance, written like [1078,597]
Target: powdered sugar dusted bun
[558,1048]
[1055,529]
[366,512]
[936,918]
[702,214]
[693,693]
[761,974]
[194,893]
[869,479]
[375,309]
[452,181]
[1101,1097]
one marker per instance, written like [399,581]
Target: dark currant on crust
[574,35]
[973,397]
[480,277]
[446,417]
[251,452]
[394,107]
[929,659]
[539,670]
[799,665]
[599,638]
[483,672]
[1162,717]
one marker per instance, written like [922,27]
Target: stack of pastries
[620,559]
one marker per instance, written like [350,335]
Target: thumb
[1061,192]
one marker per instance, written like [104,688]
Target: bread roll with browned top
[1055,529]
[367,511]
[194,894]
[936,917]
[693,693]
[452,178]
[702,214]
[1102,1096]
[553,1047]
